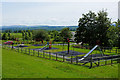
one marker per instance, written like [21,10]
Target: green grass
[0,62]
[19,65]
[17,35]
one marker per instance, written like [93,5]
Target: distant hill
[45,27]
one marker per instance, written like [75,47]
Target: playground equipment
[20,45]
[44,47]
[9,42]
[68,44]
[48,45]
[88,53]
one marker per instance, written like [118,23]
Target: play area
[90,57]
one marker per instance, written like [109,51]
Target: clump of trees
[40,35]
[7,36]
[61,35]
[27,35]
[65,34]
[95,27]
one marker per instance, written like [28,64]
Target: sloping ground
[18,65]
[0,62]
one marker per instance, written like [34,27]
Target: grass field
[0,62]
[18,65]
[17,35]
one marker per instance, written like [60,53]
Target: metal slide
[88,52]
[43,47]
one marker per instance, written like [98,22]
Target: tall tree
[9,36]
[23,35]
[26,36]
[113,34]
[40,35]
[118,33]
[65,33]
[92,28]
[4,36]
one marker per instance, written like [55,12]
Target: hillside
[19,65]
[23,27]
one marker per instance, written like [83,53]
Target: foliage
[93,27]
[40,35]
[4,36]
[9,36]
[113,34]
[26,36]
[55,35]
[65,34]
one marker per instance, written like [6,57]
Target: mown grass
[18,65]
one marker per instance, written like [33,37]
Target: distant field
[17,35]
[18,65]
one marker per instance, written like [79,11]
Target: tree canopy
[65,33]
[40,35]
[92,28]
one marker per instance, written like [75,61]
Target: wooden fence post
[91,62]
[76,60]
[71,59]
[25,51]
[111,60]
[33,52]
[29,51]
[21,49]
[98,61]
[18,49]
[63,58]
[56,56]
[43,55]
[49,55]
[38,53]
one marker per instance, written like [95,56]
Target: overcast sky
[52,13]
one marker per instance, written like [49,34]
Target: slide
[88,52]
[43,47]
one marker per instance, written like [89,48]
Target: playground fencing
[91,62]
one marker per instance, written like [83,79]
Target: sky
[52,13]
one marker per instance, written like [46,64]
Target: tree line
[39,35]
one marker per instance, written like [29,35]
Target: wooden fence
[90,62]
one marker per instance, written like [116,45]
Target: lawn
[18,65]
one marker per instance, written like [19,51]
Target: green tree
[65,33]
[85,33]
[9,36]
[113,34]
[26,36]
[93,27]
[40,35]
[119,34]
[23,35]
[4,36]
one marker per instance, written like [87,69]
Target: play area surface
[73,53]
